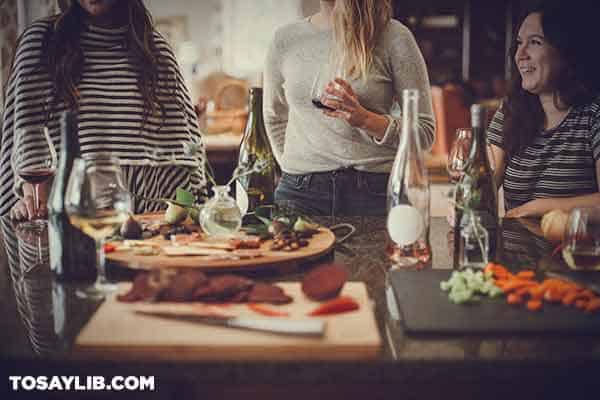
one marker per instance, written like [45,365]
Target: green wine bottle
[257,188]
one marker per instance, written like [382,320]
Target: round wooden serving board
[321,243]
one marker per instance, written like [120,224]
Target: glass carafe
[474,243]
[220,216]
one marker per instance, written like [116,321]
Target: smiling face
[537,60]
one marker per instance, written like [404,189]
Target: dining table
[42,317]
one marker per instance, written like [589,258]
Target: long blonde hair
[357,25]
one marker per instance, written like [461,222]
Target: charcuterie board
[115,332]
[318,245]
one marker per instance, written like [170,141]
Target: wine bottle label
[405,224]
[241,197]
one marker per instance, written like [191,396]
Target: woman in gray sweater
[336,160]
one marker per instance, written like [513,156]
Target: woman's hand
[341,96]
[200,106]
[533,208]
[24,209]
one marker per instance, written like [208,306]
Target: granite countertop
[41,319]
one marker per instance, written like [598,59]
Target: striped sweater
[561,162]
[110,114]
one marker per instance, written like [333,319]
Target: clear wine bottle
[408,194]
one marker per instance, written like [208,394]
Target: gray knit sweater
[305,140]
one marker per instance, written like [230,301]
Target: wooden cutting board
[320,244]
[115,332]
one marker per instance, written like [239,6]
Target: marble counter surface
[41,318]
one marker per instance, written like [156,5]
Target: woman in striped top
[545,139]
[105,60]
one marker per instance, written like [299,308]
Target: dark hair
[63,57]
[564,25]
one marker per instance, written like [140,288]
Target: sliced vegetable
[514,299]
[268,311]
[466,286]
[336,306]
[109,248]
[534,305]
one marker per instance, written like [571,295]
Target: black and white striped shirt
[561,162]
[110,114]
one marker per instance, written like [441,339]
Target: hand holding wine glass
[97,203]
[34,161]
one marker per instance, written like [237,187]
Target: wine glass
[97,202]
[458,157]
[581,243]
[327,72]
[34,161]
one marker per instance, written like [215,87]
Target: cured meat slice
[324,282]
[266,293]
[183,286]
[222,287]
[245,242]
[146,286]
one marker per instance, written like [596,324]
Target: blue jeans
[344,192]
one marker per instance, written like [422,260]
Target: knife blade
[580,280]
[315,328]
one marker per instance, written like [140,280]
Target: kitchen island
[41,319]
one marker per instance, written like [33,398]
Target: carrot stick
[514,299]
[570,297]
[517,284]
[534,305]
[338,305]
[268,311]
[593,305]
[526,274]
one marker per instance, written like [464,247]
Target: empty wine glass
[34,161]
[97,202]
[458,157]
[581,243]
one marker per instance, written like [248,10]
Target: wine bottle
[257,188]
[476,189]
[408,196]
[72,253]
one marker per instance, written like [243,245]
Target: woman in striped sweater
[545,139]
[104,59]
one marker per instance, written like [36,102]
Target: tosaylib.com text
[79,383]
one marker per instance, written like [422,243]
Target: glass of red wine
[327,73]
[581,243]
[34,162]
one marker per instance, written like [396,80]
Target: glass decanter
[220,216]
[474,243]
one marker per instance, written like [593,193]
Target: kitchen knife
[581,280]
[274,325]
